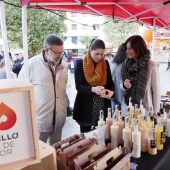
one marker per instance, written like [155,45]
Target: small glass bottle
[116,113]
[101,121]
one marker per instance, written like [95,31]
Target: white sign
[16,136]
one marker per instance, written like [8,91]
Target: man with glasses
[18,63]
[49,76]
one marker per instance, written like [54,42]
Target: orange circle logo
[7,117]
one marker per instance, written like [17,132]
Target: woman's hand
[98,90]
[108,94]
[127,84]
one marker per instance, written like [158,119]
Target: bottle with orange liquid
[144,137]
[120,124]
[109,122]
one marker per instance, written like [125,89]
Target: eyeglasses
[57,53]
[16,54]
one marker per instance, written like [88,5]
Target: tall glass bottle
[152,143]
[120,124]
[144,137]
[136,142]
[159,134]
[114,133]
[109,122]
[127,136]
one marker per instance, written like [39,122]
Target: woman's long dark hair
[138,44]
[120,55]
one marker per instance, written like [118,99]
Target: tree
[40,24]
[117,33]
[86,40]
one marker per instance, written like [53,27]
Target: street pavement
[71,127]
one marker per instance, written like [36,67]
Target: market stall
[143,12]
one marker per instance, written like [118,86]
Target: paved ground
[71,127]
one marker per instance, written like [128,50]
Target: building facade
[79,26]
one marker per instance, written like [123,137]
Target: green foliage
[117,33]
[86,40]
[40,24]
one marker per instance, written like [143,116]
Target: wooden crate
[18,128]
[47,157]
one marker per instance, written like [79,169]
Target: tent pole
[4,39]
[153,39]
[25,39]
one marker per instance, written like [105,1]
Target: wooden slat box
[18,128]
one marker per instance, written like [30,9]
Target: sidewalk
[71,127]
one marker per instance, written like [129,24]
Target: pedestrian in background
[48,74]
[3,74]
[116,68]
[140,76]
[92,76]
[108,53]
[18,63]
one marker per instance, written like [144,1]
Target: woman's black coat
[83,101]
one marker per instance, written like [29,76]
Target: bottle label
[162,137]
[153,144]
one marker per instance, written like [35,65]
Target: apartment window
[73,14]
[74,26]
[84,27]
[74,40]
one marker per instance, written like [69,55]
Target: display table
[160,161]
[47,156]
